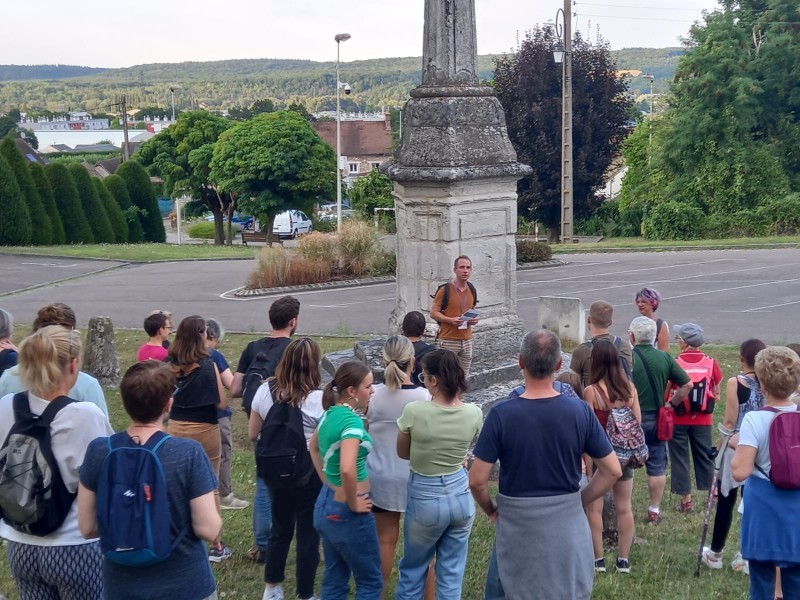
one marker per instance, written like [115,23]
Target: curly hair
[778,371]
[649,295]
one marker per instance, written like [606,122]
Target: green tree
[143,196]
[275,162]
[180,156]
[119,191]
[58,236]
[528,85]
[92,206]
[239,113]
[118,223]
[373,190]
[76,227]
[15,225]
[41,231]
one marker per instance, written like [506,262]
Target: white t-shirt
[311,408]
[755,433]
[71,431]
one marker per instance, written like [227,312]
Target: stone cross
[450,47]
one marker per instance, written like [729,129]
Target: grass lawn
[138,252]
[633,244]
[663,566]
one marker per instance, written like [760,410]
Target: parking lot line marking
[762,308]
[350,303]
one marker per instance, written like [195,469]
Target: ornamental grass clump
[277,268]
[358,247]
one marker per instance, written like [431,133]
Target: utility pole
[122,104]
[650,78]
[566,125]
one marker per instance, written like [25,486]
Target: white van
[290,224]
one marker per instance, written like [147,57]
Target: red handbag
[665,424]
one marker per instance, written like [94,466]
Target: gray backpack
[33,497]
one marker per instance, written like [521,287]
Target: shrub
[530,251]
[276,267]
[41,230]
[143,196]
[76,227]
[92,206]
[358,245]
[58,236]
[743,223]
[116,185]
[674,221]
[322,225]
[384,263]
[318,247]
[203,230]
[783,215]
[118,223]
[15,225]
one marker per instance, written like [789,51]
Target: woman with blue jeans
[435,437]
[343,512]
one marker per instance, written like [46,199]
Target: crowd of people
[342,467]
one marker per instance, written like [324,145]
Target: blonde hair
[778,371]
[398,352]
[44,357]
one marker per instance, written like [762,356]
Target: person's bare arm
[206,521]
[607,471]
[254,425]
[348,453]
[236,385]
[663,338]
[743,463]
[223,398]
[731,405]
[87,512]
[479,485]
[404,445]
[227,378]
[680,394]
[316,457]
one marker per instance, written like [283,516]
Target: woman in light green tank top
[342,514]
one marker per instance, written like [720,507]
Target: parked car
[240,222]
[290,224]
[331,216]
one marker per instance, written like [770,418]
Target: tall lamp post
[340,37]
[650,78]
[562,54]
[172,90]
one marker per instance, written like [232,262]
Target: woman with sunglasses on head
[342,514]
[436,436]
[198,395]
[59,564]
[295,383]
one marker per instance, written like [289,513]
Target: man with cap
[693,417]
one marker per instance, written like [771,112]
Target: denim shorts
[657,462]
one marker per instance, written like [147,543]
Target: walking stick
[718,460]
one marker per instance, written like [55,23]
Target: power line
[641,18]
[637,7]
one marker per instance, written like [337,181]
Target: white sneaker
[711,559]
[311,598]
[273,593]
[739,564]
[231,502]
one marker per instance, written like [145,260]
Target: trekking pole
[714,480]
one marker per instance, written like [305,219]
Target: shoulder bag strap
[649,373]
[603,396]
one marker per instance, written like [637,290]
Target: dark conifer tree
[115,216]
[48,202]
[143,196]
[116,186]
[41,230]
[76,227]
[92,206]
[15,222]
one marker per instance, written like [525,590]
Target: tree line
[62,204]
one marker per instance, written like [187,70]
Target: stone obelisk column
[455,176]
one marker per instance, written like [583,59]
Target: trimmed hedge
[143,196]
[41,230]
[118,223]
[39,177]
[15,223]
[76,227]
[92,206]
[116,186]
[204,230]
[530,251]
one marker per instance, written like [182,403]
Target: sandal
[684,506]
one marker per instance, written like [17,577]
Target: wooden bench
[260,236]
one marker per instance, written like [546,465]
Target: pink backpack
[784,449]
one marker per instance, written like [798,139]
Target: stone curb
[765,246]
[332,285]
[132,261]
[64,280]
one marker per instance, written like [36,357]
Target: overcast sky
[120,34]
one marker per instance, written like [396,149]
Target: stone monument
[100,354]
[455,175]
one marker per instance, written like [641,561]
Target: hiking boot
[623,566]
[600,565]
[219,554]
[653,518]
[257,555]
[684,506]
[231,502]
[740,565]
[273,593]
[713,560]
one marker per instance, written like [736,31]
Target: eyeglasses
[423,377]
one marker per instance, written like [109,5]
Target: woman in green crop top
[342,514]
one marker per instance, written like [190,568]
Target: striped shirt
[337,424]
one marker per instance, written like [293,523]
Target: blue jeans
[262,514]
[494,587]
[762,581]
[350,543]
[438,521]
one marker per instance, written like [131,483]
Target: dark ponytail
[349,374]
[444,365]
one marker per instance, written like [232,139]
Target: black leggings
[723,518]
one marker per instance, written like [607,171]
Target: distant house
[106,168]
[96,148]
[52,148]
[28,152]
[365,144]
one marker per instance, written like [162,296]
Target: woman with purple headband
[647,301]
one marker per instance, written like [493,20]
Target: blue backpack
[132,504]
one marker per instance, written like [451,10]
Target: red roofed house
[365,144]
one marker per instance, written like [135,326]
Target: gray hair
[540,352]
[214,330]
[643,330]
[6,324]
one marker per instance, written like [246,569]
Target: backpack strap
[22,408]
[657,397]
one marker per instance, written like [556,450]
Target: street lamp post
[340,37]
[172,90]
[562,53]
[650,78]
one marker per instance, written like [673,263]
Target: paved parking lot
[733,294]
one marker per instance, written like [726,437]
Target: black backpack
[446,295]
[33,497]
[282,457]
[3,353]
[258,371]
